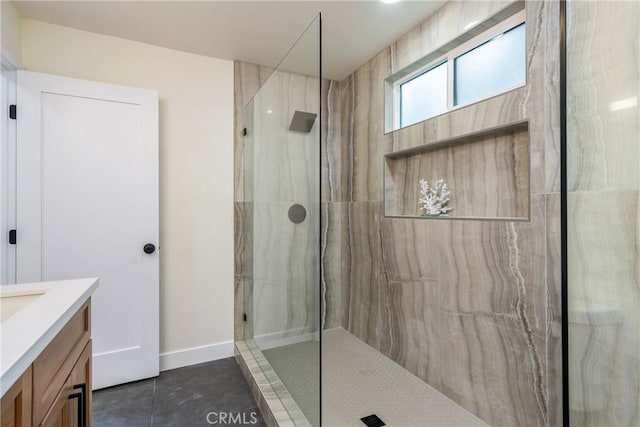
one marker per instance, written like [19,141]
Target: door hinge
[244,132]
[244,316]
[13,111]
[12,237]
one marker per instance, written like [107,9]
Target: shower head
[302,121]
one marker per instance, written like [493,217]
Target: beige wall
[196,173]
[10,33]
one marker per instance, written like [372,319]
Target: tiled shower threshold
[357,381]
[276,404]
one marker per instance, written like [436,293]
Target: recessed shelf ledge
[487,173]
[520,125]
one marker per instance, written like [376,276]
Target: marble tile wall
[504,193]
[285,172]
[471,307]
[603,130]
[247,80]
[276,261]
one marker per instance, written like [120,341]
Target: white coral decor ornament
[433,200]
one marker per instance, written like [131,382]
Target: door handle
[82,403]
[149,248]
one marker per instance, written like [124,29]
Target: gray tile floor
[181,397]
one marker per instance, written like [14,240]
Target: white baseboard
[195,355]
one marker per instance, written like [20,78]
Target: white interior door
[87,204]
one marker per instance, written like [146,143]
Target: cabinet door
[58,414]
[72,406]
[53,366]
[80,407]
[16,403]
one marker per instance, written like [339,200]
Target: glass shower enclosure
[602,212]
[281,140]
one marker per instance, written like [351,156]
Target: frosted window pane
[424,96]
[492,67]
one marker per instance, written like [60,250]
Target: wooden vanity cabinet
[72,406]
[16,403]
[57,386]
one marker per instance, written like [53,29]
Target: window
[477,65]
[424,96]
[490,68]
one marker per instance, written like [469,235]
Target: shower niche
[487,173]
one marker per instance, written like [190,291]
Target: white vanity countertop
[24,334]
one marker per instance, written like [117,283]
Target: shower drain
[372,421]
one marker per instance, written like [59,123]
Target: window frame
[422,70]
[449,58]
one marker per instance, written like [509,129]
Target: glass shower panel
[603,217]
[282,182]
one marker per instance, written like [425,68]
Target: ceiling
[259,32]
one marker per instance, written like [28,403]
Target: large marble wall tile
[334,259]
[486,344]
[238,308]
[334,173]
[243,238]
[494,268]
[604,296]
[275,168]
[488,370]
[447,23]
[243,264]
[247,80]
[408,249]
[346,106]
[602,70]
[411,327]
[488,176]
[366,276]
[285,269]
[538,101]
[243,304]
[491,297]
[491,113]
[286,166]
[366,128]
[603,129]
[603,265]
[410,298]
[461,304]
[283,309]
[554,310]
[542,94]
[283,249]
